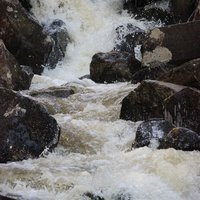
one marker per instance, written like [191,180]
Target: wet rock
[183,109]
[23,36]
[146,101]
[27,130]
[152,132]
[133,5]
[182,9]
[153,71]
[57,30]
[130,37]
[12,75]
[26,4]
[155,14]
[58,92]
[92,196]
[113,66]
[6,198]
[181,139]
[187,74]
[169,44]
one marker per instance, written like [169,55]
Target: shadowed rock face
[26,128]
[187,74]
[146,101]
[23,36]
[183,109]
[12,75]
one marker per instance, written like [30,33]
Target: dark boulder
[146,101]
[153,71]
[57,30]
[12,75]
[175,44]
[133,5]
[181,139]
[23,36]
[187,74]
[183,109]
[182,10]
[130,37]
[151,130]
[26,128]
[26,4]
[113,66]
[155,14]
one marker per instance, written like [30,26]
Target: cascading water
[94,153]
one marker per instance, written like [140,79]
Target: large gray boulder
[23,36]
[26,128]
[12,75]
[146,101]
[175,44]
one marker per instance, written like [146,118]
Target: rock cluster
[168,73]
[27,130]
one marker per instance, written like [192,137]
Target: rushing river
[94,154]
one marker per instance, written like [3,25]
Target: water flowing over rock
[130,38]
[146,101]
[23,36]
[187,74]
[26,129]
[181,139]
[113,66]
[57,30]
[174,44]
[152,132]
[183,109]
[12,76]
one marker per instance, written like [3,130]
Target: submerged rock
[146,101]
[12,75]
[113,66]
[59,92]
[181,139]
[187,74]
[152,132]
[175,44]
[57,30]
[23,36]
[26,128]
[183,109]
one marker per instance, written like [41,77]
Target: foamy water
[94,154]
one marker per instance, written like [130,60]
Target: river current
[94,154]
